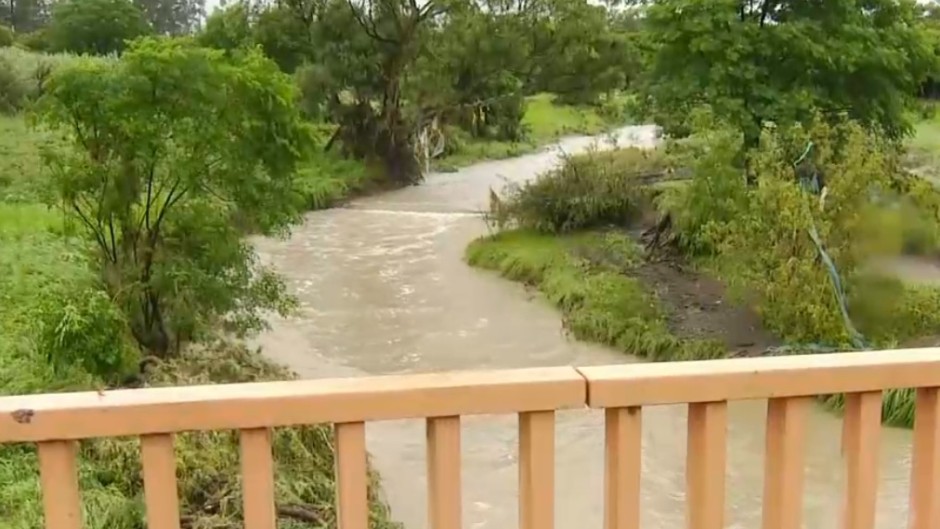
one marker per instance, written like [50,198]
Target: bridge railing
[56,422]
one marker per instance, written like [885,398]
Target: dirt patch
[696,305]
[697,308]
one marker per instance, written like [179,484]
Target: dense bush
[34,69]
[12,89]
[98,27]
[587,190]
[35,40]
[6,37]
[758,234]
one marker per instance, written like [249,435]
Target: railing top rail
[760,378]
[31,418]
[271,404]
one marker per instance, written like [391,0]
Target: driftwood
[659,239]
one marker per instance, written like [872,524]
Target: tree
[285,38]
[367,49]
[97,27]
[168,151]
[227,28]
[777,60]
[24,15]
[173,17]
[586,54]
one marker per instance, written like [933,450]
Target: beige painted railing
[56,422]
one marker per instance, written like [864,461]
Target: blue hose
[811,184]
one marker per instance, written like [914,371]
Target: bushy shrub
[98,27]
[759,233]
[82,327]
[587,190]
[34,69]
[12,90]
[6,37]
[35,40]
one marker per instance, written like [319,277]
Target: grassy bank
[545,121]
[721,228]
[49,296]
[602,302]
[42,270]
[597,296]
[54,336]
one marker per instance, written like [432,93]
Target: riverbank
[41,269]
[383,289]
[615,251]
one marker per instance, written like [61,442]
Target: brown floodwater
[383,290]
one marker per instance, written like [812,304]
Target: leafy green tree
[586,53]
[24,15]
[366,51]
[778,60]
[227,28]
[285,38]
[470,72]
[97,27]
[173,17]
[169,150]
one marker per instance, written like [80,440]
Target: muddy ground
[697,307]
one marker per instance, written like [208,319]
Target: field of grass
[599,303]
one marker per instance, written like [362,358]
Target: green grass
[599,302]
[545,121]
[20,162]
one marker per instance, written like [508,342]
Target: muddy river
[384,290]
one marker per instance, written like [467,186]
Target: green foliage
[285,38]
[208,463]
[35,40]
[588,53]
[757,236]
[173,17]
[166,148]
[83,327]
[98,27]
[33,260]
[781,61]
[587,190]
[227,28]
[33,69]
[326,179]
[12,90]
[598,303]
[6,36]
